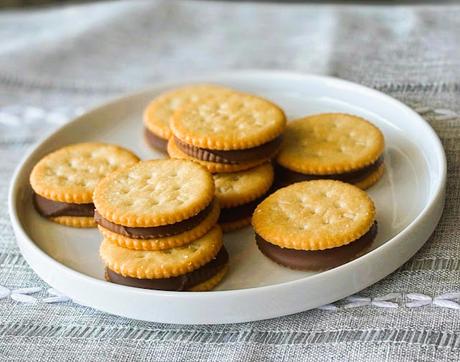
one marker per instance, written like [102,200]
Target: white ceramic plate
[409,200]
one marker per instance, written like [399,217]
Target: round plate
[409,200]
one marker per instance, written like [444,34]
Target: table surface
[57,62]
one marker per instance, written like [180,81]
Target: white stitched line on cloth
[4,292]
[440,114]
[416,300]
[421,109]
[328,307]
[384,301]
[22,295]
[444,300]
[356,301]
[57,297]
[17,115]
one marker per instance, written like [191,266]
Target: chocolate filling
[286,177]
[154,232]
[233,156]
[181,282]
[51,208]
[155,141]
[230,214]
[317,259]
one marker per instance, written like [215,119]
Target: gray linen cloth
[54,62]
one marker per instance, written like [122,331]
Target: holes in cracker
[317,210]
[224,188]
[193,248]
[127,203]
[348,215]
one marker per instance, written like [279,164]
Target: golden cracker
[330,143]
[314,215]
[166,242]
[158,113]
[154,193]
[211,283]
[372,179]
[75,221]
[228,122]
[167,263]
[213,167]
[238,188]
[71,173]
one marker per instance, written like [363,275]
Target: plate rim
[24,241]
